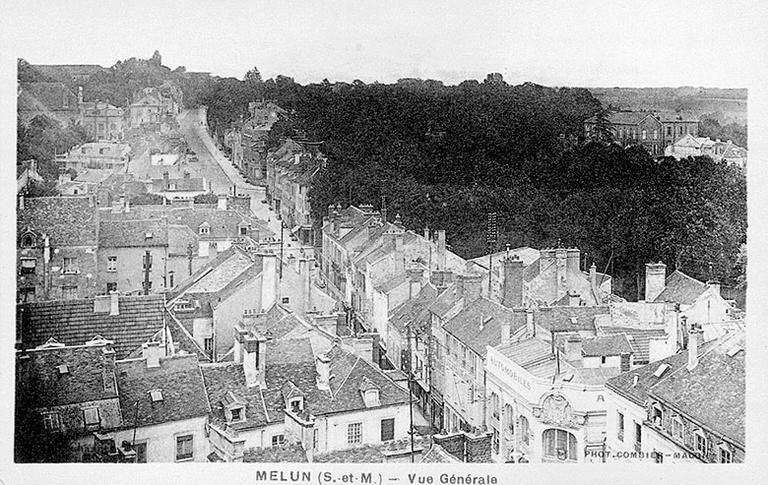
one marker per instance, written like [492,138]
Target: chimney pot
[114,303]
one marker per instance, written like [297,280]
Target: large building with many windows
[652,131]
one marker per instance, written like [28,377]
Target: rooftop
[74,322]
[606,345]
[179,381]
[713,392]
[478,325]
[133,233]
[90,376]
[67,221]
[681,288]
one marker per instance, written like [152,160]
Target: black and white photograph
[382,242]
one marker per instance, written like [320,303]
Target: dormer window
[204,229]
[701,442]
[657,414]
[297,405]
[237,414]
[28,241]
[371,398]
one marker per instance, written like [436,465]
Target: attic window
[63,369]
[148,235]
[237,414]
[156,395]
[27,241]
[371,398]
[661,370]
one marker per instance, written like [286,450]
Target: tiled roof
[223,378]
[445,301]
[478,325]
[275,454]
[94,176]
[624,383]
[178,378]
[414,310]
[179,239]
[73,322]
[223,271]
[577,318]
[437,454]
[639,339]
[713,392]
[179,185]
[67,221]
[667,117]
[133,233]
[681,288]
[223,223]
[392,283]
[606,345]
[90,376]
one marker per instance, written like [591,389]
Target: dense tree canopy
[443,156]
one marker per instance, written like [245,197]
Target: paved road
[219,170]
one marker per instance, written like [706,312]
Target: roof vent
[156,395]
[63,369]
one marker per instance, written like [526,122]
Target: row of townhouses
[521,345]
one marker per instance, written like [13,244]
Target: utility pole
[492,237]
[410,386]
[189,257]
[282,231]
[147,262]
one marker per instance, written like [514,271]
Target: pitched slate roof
[275,454]
[670,117]
[622,117]
[414,310]
[606,345]
[577,318]
[67,221]
[179,185]
[179,239]
[223,378]
[639,339]
[178,378]
[681,288]
[445,301]
[392,283]
[223,271]
[90,377]
[141,233]
[713,392]
[624,383]
[73,322]
[478,325]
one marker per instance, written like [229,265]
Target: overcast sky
[585,43]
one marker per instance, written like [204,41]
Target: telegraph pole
[492,237]
[410,386]
[147,262]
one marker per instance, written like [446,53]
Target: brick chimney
[561,262]
[530,326]
[693,346]
[573,346]
[506,331]
[268,280]
[441,249]
[593,277]
[415,273]
[513,282]
[323,364]
[151,352]
[470,287]
[655,274]
[114,303]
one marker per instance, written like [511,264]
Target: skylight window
[148,235]
[661,370]
[63,369]
[156,395]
